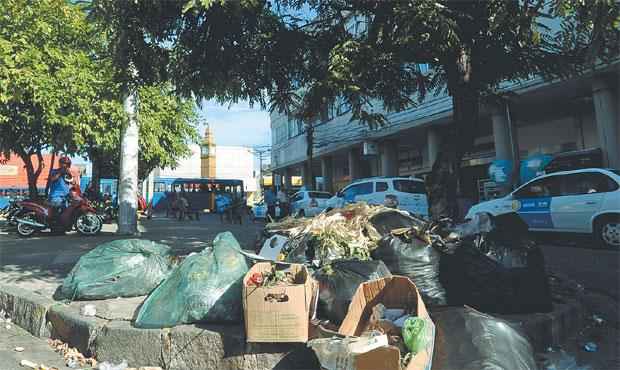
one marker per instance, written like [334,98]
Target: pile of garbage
[488,263]
[353,283]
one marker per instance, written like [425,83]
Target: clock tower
[207,155]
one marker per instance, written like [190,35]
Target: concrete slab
[26,309]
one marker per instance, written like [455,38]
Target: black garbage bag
[481,275]
[338,282]
[409,256]
[470,340]
[415,259]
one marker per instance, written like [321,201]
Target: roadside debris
[108,366]
[590,347]
[278,302]
[206,287]
[88,310]
[120,268]
[474,340]
[72,357]
[19,349]
[339,281]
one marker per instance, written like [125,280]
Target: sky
[237,125]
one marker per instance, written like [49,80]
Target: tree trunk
[32,174]
[95,181]
[49,174]
[443,182]
[310,154]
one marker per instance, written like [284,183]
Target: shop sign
[8,170]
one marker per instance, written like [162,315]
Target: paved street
[579,258]
[44,260]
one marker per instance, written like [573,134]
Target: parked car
[405,193]
[259,211]
[308,203]
[579,201]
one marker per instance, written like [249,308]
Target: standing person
[283,201]
[59,187]
[270,201]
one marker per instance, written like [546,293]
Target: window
[410,186]
[381,186]
[159,187]
[297,197]
[547,187]
[587,183]
[319,195]
[357,189]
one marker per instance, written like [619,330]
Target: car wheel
[607,231]
[301,213]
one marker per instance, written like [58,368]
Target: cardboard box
[393,292]
[285,319]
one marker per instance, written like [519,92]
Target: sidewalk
[40,263]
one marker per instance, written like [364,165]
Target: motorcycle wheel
[88,224]
[26,230]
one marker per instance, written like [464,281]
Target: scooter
[12,212]
[79,214]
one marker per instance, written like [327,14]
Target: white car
[259,211]
[405,193]
[580,201]
[308,202]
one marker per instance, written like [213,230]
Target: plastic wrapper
[206,287]
[339,281]
[468,339]
[120,268]
[339,353]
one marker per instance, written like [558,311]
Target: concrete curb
[179,348]
[215,346]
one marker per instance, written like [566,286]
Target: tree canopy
[59,93]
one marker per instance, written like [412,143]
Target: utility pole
[260,152]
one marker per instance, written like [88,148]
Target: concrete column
[501,134]
[288,178]
[128,181]
[433,144]
[389,158]
[304,175]
[354,163]
[327,172]
[607,121]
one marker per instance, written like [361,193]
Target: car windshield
[319,195]
[410,186]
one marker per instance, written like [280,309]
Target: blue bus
[201,193]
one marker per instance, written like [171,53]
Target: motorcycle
[11,212]
[79,214]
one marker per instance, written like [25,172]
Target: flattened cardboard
[393,292]
[274,322]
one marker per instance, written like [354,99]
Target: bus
[201,193]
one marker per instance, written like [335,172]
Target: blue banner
[500,171]
[533,166]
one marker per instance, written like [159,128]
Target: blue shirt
[270,198]
[58,188]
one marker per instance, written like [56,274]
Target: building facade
[219,162]
[545,117]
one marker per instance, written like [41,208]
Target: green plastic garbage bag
[121,268]
[416,334]
[206,287]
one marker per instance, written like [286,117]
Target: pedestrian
[270,201]
[283,203]
[182,206]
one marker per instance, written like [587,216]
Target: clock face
[205,150]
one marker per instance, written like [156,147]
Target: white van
[406,193]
